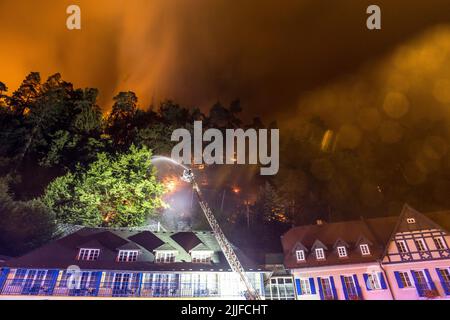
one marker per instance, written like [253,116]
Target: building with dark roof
[95,262]
[404,257]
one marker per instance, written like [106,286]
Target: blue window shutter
[344,288]
[319,281]
[430,280]
[3,276]
[313,286]
[420,292]
[366,280]
[137,283]
[98,280]
[399,280]
[382,281]
[333,287]
[445,286]
[299,287]
[358,288]
[53,279]
[140,279]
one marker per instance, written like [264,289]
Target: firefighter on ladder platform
[230,255]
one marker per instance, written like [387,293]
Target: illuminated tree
[115,191]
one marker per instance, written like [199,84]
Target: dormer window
[165,256]
[127,255]
[88,254]
[411,220]
[365,250]
[342,252]
[320,254]
[201,257]
[300,255]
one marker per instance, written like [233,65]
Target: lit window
[305,286]
[300,254]
[365,251]
[373,281]
[420,244]
[411,220]
[281,288]
[342,252]
[128,256]
[201,257]
[350,288]
[401,245]
[439,243]
[445,276]
[327,289]
[405,280]
[88,254]
[320,254]
[422,282]
[165,257]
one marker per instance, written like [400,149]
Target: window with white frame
[401,245]
[281,288]
[405,279]
[342,252]
[320,254]
[165,256]
[365,250]
[88,254]
[127,255]
[373,281]
[420,244]
[201,256]
[439,243]
[411,220]
[305,286]
[300,254]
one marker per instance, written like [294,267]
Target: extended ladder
[226,247]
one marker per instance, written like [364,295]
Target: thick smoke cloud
[268,53]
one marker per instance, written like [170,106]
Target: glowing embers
[171,184]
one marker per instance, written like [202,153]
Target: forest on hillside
[60,155]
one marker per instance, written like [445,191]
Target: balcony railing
[109,289]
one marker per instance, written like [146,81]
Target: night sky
[273,55]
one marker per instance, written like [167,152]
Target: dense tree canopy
[24,225]
[117,191]
[51,130]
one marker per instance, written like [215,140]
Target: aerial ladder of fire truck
[225,246]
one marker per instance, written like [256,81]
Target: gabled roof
[377,232]
[422,222]
[340,243]
[129,246]
[201,247]
[318,244]
[299,246]
[165,247]
[327,236]
[63,252]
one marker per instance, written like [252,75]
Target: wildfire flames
[171,183]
